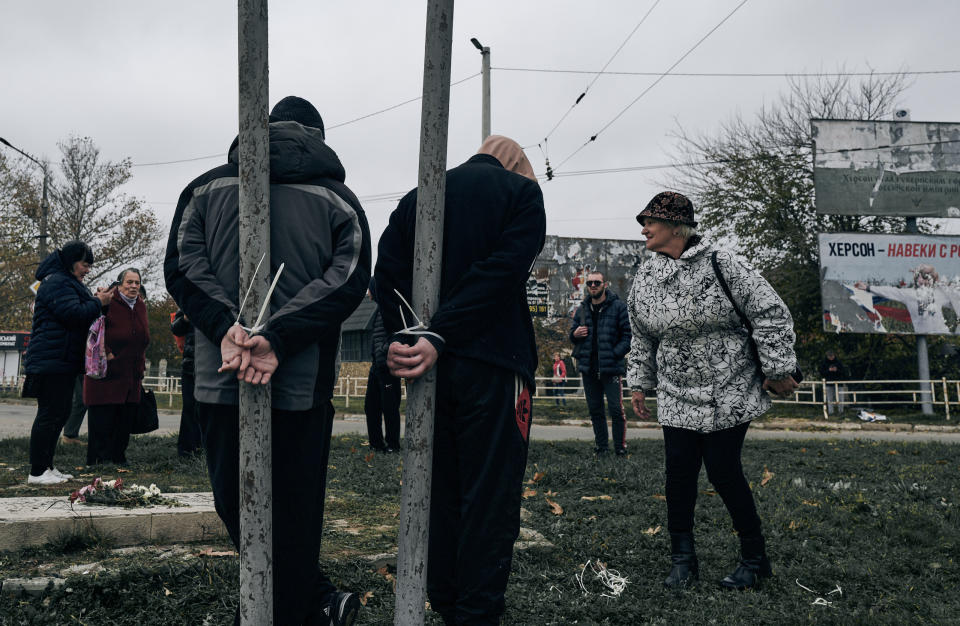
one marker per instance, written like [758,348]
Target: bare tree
[752,183]
[86,204]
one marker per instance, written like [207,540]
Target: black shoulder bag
[146,419]
[797,373]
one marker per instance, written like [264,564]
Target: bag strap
[743,318]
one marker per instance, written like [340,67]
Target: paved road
[16,420]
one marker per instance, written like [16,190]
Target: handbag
[95,357]
[145,420]
[797,373]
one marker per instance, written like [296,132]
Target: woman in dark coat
[113,400]
[62,315]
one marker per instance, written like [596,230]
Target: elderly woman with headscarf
[690,345]
[112,401]
[481,340]
[62,314]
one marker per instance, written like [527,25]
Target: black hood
[297,154]
[51,265]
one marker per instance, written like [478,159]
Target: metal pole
[44,211]
[923,359]
[256,504]
[485,71]
[428,252]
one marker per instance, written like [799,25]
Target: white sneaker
[46,478]
[62,475]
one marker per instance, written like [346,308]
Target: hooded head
[509,153]
[294,109]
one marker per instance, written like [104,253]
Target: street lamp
[43,202]
[485,72]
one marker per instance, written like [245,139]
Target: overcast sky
[157,82]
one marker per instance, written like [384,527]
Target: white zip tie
[244,301]
[821,601]
[419,329]
[257,326]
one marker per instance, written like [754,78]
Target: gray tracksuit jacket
[317,228]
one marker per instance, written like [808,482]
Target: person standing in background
[113,401]
[559,379]
[382,401]
[63,312]
[188,441]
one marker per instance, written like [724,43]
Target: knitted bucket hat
[670,206]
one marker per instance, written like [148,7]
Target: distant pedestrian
[188,438]
[63,312]
[832,370]
[691,346]
[558,380]
[113,401]
[382,401]
[600,332]
[71,430]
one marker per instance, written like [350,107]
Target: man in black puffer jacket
[600,333]
[62,315]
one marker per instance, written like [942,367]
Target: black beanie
[294,109]
[74,251]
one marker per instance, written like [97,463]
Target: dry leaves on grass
[167,592]
[659,496]
[892,452]
[120,470]
[793,525]
[555,508]
[706,492]
[537,477]
[811,503]
[595,498]
[212,552]
[390,578]
[529,493]
[368,457]
[365,598]
[353,450]
[653,530]
[767,476]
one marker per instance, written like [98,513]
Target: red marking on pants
[523,412]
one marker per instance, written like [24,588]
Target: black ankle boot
[753,565]
[685,568]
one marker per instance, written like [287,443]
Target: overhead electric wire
[219,155]
[598,74]
[654,83]
[728,74]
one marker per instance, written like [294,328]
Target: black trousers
[382,405]
[301,448]
[108,432]
[479,454]
[54,395]
[188,441]
[720,451]
[77,410]
[611,386]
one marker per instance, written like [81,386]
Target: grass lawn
[878,519]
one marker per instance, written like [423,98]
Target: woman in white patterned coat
[690,345]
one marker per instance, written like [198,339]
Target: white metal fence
[841,394]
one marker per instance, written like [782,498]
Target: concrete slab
[35,521]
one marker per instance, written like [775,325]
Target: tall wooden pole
[256,504]
[428,253]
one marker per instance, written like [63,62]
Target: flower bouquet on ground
[115,493]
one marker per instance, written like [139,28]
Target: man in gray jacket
[318,229]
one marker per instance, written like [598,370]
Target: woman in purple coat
[113,400]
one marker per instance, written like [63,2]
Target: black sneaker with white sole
[343,608]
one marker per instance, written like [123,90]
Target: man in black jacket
[188,440]
[381,403]
[482,343]
[600,333]
[319,231]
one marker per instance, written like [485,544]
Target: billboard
[906,284]
[555,287]
[908,169]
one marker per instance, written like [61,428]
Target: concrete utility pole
[428,253]
[44,207]
[923,357]
[256,472]
[485,73]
